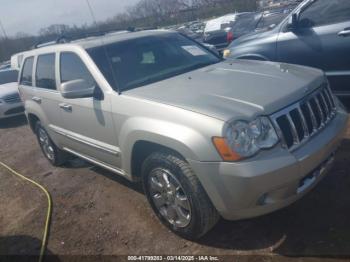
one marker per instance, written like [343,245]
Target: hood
[8,89]
[238,88]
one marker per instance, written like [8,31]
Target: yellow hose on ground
[48,215]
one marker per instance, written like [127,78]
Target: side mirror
[76,89]
[293,21]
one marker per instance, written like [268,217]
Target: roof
[116,37]
[108,38]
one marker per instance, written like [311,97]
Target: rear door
[47,97]
[322,41]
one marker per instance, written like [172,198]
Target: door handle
[36,99]
[345,32]
[66,107]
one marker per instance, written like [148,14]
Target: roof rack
[67,39]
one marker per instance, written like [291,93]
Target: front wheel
[176,195]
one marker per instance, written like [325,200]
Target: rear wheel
[56,156]
[176,195]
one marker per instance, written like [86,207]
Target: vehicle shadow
[22,248]
[75,162]
[315,226]
[13,122]
[80,163]
[119,179]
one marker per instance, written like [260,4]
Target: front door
[87,122]
[322,40]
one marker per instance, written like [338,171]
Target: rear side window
[72,68]
[325,12]
[26,78]
[45,72]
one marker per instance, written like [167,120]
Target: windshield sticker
[194,50]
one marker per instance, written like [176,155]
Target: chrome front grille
[297,123]
[12,99]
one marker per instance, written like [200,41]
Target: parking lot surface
[96,212]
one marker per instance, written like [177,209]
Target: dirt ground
[98,213]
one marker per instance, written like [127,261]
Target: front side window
[132,63]
[270,20]
[325,12]
[45,72]
[27,72]
[73,68]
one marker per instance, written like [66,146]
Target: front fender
[188,142]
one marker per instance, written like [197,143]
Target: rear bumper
[10,110]
[272,180]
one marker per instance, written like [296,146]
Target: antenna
[104,48]
[3,30]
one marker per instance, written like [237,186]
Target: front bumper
[272,180]
[10,110]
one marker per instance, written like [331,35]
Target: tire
[187,210]
[56,156]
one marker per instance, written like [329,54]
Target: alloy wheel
[169,197]
[46,144]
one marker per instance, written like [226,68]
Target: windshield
[8,76]
[136,62]
[245,24]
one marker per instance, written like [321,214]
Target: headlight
[245,139]
[226,53]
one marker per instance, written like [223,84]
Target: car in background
[192,34]
[315,34]
[5,65]
[221,31]
[10,101]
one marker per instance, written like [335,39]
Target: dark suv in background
[316,34]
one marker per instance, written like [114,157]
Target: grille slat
[320,110]
[323,100]
[303,122]
[306,112]
[329,93]
[296,139]
[299,122]
[328,101]
[313,117]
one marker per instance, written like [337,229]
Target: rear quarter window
[27,72]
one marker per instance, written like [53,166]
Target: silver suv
[206,137]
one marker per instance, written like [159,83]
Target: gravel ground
[98,213]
